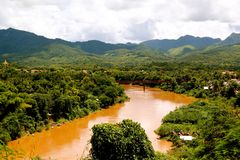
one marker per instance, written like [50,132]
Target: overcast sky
[122,20]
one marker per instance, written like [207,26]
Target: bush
[125,140]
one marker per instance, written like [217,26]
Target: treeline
[200,83]
[31,99]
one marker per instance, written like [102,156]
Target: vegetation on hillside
[29,49]
[58,55]
[166,44]
[219,56]
[180,50]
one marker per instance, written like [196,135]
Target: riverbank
[147,108]
[213,126]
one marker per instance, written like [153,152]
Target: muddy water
[71,140]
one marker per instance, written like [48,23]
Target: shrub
[125,140]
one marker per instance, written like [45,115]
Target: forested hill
[232,39]
[29,49]
[167,44]
[99,47]
[22,42]
[196,42]
[218,56]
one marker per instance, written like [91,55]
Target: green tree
[125,140]
[228,147]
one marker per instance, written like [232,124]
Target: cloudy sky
[122,20]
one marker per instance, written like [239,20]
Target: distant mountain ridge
[228,55]
[234,38]
[99,47]
[167,44]
[18,42]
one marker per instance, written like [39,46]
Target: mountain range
[27,47]
[17,41]
[196,42]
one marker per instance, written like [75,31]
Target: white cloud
[122,20]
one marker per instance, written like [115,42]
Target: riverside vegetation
[213,121]
[33,100]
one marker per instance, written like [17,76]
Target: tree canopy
[124,140]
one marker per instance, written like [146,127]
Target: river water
[71,140]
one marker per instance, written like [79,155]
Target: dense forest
[32,99]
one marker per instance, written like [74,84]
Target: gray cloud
[3,18]
[235,27]
[200,10]
[121,20]
[211,10]
[142,31]
[29,4]
[123,4]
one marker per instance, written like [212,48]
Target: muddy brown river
[71,140]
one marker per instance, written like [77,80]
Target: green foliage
[58,54]
[190,81]
[221,56]
[125,140]
[228,148]
[180,50]
[213,126]
[29,100]
[162,156]
[98,47]
[140,56]
[170,131]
